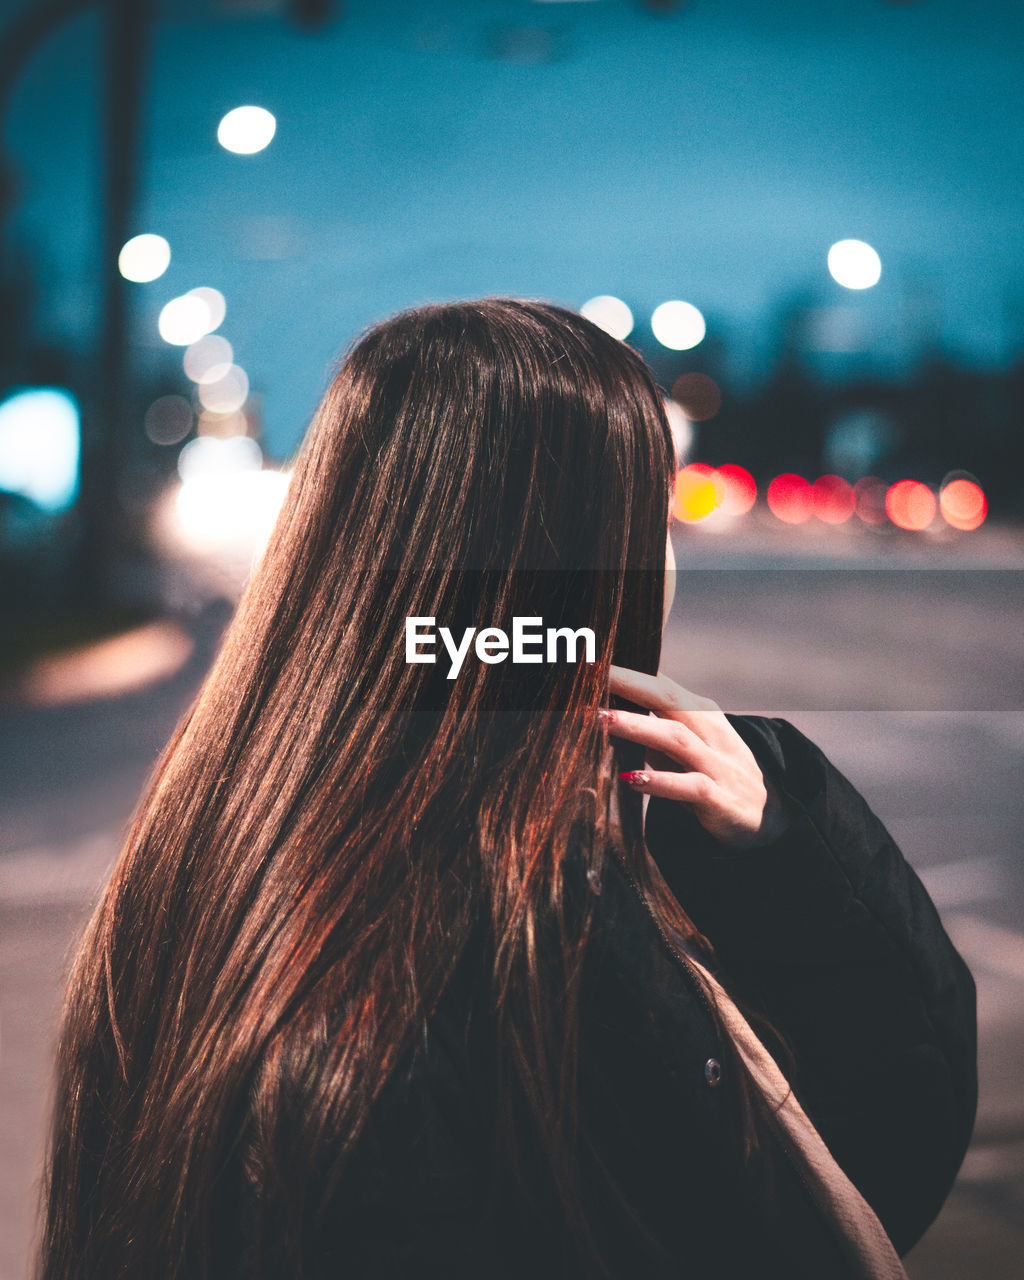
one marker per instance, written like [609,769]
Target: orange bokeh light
[832,499]
[739,489]
[963,504]
[910,504]
[699,491]
[790,499]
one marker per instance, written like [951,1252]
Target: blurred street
[908,675]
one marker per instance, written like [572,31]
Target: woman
[387,981]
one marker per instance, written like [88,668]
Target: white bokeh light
[854,264]
[246,130]
[144,258]
[215,305]
[610,314]
[208,358]
[681,428]
[208,456]
[228,393]
[229,513]
[678,325]
[184,320]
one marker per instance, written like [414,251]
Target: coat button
[712,1072]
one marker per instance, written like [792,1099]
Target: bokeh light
[698,492]
[144,258]
[222,425]
[184,320]
[910,504]
[215,305]
[739,489]
[40,440]
[208,358]
[699,395]
[228,393]
[168,420]
[231,512]
[790,499]
[869,499]
[246,130]
[678,325]
[206,456]
[962,503]
[832,499]
[610,314]
[854,264]
[681,428]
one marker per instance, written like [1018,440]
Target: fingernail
[604,714]
[636,778]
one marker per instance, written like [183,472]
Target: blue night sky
[711,155]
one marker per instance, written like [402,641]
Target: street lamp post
[126,24]
[106,437]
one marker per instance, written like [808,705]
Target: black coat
[829,933]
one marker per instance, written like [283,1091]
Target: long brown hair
[329,822]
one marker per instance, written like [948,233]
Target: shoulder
[658,1139]
[638,987]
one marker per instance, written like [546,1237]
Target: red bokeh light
[739,489]
[832,499]
[790,499]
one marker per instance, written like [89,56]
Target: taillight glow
[789,498]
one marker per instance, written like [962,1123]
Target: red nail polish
[636,777]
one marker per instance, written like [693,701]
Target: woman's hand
[697,757]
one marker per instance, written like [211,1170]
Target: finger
[673,739]
[671,701]
[660,693]
[666,698]
[692,788]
